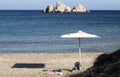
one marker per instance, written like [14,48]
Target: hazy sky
[40,4]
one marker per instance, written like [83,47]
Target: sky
[41,4]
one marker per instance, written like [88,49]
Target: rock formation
[79,8]
[67,9]
[61,7]
[106,65]
[49,9]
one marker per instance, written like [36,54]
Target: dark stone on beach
[106,65]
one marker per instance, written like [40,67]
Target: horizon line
[41,9]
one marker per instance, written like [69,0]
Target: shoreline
[52,52]
[51,61]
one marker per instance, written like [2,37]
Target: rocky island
[61,7]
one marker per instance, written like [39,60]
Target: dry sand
[25,65]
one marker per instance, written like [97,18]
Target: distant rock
[61,7]
[49,9]
[67,9]
[79,8]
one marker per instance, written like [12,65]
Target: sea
[32,31]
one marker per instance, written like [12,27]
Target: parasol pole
[80,60]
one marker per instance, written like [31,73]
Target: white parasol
[79,35]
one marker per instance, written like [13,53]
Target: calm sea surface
[34,31]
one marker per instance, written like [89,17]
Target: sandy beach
[40,64]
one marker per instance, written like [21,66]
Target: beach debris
[76,66]
[56,72]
